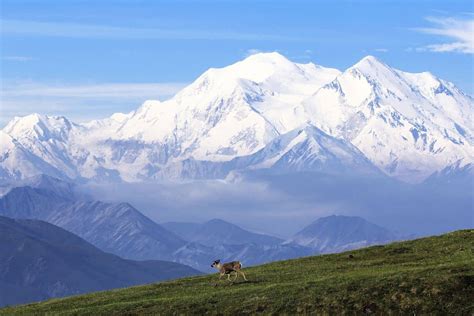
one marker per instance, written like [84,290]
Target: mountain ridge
[121,229]
[41,261]
[113,227]
[337,233]
[217,231]
[407,125]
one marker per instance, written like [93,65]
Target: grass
[432,275]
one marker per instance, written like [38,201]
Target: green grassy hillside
[427,276]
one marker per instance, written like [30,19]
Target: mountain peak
[219,232]
[259,67]
[338,233]
[40,124]
[28,120]
[218,221]
[369,63]
[267,57]
[408,125]
[342,222]
[36,118]
[370,58]
[25,124]
[339,218]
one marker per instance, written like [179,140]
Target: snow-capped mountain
[409,125]
[306,149]
[17,162]
[339,233]
[264,109]
[44,138]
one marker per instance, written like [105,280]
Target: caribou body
[229,268]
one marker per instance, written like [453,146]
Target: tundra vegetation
[433,275]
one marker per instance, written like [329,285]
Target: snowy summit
[262,112]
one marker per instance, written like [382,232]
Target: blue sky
[89,59]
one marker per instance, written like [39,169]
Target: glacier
[262,113]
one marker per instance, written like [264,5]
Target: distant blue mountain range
[39,260]
[121,229]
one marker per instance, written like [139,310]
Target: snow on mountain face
[308,149]
[45,138]
[229,112]
[17,162]
[408,125]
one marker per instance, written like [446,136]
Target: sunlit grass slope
[433,275]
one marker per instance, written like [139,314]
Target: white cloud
[75,30]
[381,50]
[17,58]
[103,90]
[459,30]
[79,102]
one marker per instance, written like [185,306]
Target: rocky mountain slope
[217,232]
[113,227]
[39,261]
[340,233]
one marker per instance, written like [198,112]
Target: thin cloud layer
[283,204]
[17,58]
[461,31]
[79,102]
[76,30]
[103,90]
